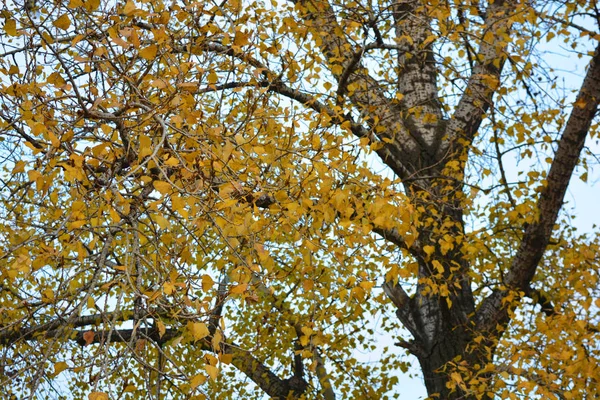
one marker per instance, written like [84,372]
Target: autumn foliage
[296,199]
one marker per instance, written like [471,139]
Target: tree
[199,195]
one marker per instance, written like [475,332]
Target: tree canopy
[217,199]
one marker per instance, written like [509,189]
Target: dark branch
[259,373]
[493,310]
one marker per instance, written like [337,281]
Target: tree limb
[259,373]
[11,335]
[493,310]
[417,76]
[484,80]
[401,148]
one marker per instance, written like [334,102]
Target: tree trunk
[440,313]
[449,346]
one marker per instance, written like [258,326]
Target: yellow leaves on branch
[204,155]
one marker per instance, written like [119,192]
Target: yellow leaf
[159,83]
[580,103]
[428,250]
[19,167]
[162,187]
[304,340]
[77,224]
[216,341]
[226,358]
[56,79]
[60,367]
[457,378]
[148,53]
[210,359]
[97,396]
[10,27]
[75,3]
[241,39]
[212,77]
[337,69]
[129,8]
[207,283]
[38,128]
[172,161]
[188,86]
[54,140]
[91,5]
[130,388]
[199,330]
[168,288]
[238,289]
[438,266]
[145,146]
[161,328]
[212,371]
[63,22]
[162,221]
[197,380]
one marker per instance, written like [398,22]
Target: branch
[355,62]
[533,377]
[537,235]
[324,381]
[404,312]
[484,80]
[13,123]
[541,299]
[388,152]
[10,335]
[392,144]
[260,374]
[60,39]
[417,76]
[401,148]
[396,294]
